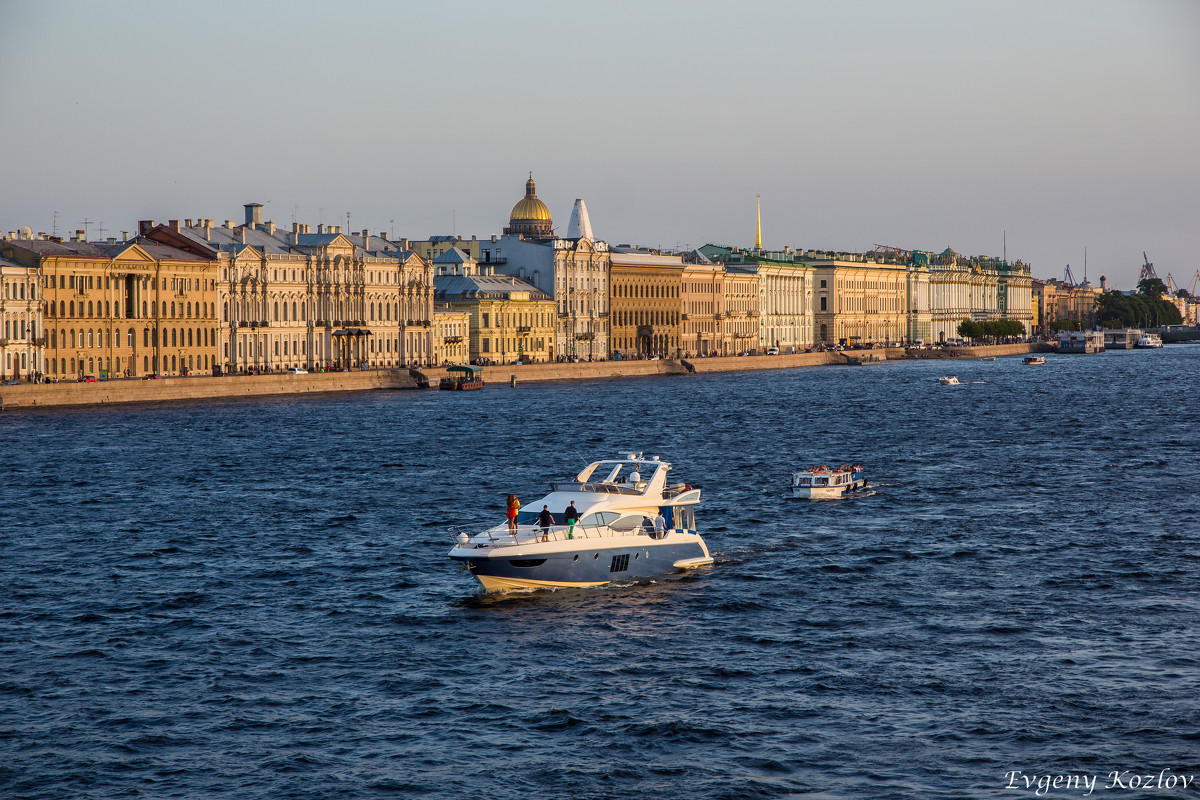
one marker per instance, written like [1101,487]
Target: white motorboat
[948,380]
[1035,360]
[1149,341]
[618,534]
[819,483]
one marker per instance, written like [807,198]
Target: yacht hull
[828,492]
[534,567]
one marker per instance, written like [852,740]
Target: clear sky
[918,124]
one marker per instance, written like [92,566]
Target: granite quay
[29,395]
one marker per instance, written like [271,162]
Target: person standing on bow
[514,505]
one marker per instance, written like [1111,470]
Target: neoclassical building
[860,301]
[977,288]
[510,319]
[323,299]
[21,311]
[115,309]
[574,270]
[451,336]
[646,302]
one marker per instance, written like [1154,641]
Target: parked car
[772,351]
[11,382]
[297,371]
[88,379]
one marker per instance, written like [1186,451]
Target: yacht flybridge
[617,534]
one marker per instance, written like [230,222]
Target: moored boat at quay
[1149,341]
[822,483]
[617,519]
[462,379]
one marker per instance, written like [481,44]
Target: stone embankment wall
[197,388]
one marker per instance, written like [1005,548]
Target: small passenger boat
[1034,360]
[1149,341]
[948,380]
[627,522]
[464,378]
[988,358]
[818,483]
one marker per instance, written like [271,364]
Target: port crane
[1147,269]
[1068,277]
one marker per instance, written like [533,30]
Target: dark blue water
[251,599]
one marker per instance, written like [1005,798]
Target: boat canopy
[466,370]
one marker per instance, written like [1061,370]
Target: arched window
[90,309]
[91,338]
[189,308]
[145,337]
[174,337]
[294,317]
[190,337]
[225,311]
[277,312]
[108,338]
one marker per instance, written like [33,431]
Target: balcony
[585,337]
[524,328]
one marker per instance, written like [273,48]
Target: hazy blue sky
[916,124]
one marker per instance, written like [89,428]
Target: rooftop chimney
[229,224]
[253,214]
[187,223]
[145,226]
[173,224]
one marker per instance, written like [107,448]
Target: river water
[252,598]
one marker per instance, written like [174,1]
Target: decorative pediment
[133,255]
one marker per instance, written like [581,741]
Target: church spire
[758,228]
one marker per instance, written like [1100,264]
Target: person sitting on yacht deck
[545,520]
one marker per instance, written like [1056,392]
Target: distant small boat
[988,358]
[1034,360]
[948,380]
[821,482]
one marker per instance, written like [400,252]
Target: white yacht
[615,537]
[822,483]
[1149,340]
[1034,360]
[948,380]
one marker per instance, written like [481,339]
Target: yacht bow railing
[533,534]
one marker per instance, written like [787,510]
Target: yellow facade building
[860,302]
[312,299]
[646,302]
[124,309]
[510,320]
[451,336]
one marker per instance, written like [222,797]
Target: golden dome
[529,207]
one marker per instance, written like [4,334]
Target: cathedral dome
[530,216]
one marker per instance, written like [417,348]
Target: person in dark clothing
[545,520]
[570,517]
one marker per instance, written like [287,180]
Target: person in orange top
[514,505]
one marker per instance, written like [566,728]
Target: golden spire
[758,229]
